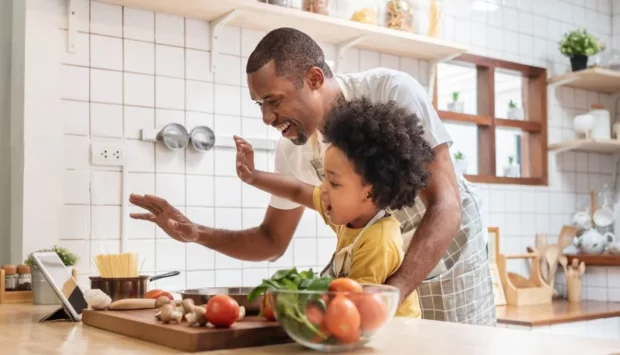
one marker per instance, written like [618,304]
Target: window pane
[508,152]
[465,141]
[456,88]
[508,94]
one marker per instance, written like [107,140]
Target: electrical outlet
[107,154]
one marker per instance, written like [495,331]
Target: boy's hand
[245,160]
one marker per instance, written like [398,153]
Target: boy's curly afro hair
[384,143]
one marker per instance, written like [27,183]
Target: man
[444,234]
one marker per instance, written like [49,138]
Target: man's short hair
[293,53]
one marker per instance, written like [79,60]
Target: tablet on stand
[64,285]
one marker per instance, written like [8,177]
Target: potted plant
[514,112]
[578,45]
[42,292]
[460,162]
[455,105]
[512,169]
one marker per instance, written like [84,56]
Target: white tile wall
[135,69]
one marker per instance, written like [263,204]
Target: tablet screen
[61,277]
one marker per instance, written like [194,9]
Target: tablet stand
[59,315]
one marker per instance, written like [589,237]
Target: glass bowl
[334,321]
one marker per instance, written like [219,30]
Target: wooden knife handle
[132,303]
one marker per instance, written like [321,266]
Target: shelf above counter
[602,146]
[592,79]
[254,15]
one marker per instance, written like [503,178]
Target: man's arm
[439,225]
[265,242]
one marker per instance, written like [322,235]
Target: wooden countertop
[20,333]
[557,312]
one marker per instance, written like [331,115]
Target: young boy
[376,161]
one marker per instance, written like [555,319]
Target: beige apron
[340,263]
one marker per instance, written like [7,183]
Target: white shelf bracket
[214,29]
[342,48]
[72,25]
[433,71]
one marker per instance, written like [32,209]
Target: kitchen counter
[557,312]
[20,333]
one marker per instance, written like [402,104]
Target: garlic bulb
[97,299]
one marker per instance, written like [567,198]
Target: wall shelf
[254,15]
[604,146]
[593,79]
[595,260]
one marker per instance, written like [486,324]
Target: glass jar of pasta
[398,15]
[364,11]
[317,6]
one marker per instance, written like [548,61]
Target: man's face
[292,111]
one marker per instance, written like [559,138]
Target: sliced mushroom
[166,313]
[162,300]
[158,314]
[197,316]
[177,316]
[241,313]
[188,305]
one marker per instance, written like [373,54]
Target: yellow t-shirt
[377,254]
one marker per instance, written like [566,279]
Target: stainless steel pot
[42,291]
[126,287]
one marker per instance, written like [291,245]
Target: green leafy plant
[511,159]
[579,42]
[292,306]
[512,104]
[459,156]
[455,96]
[68,258]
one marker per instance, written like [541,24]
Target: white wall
[135,69]
[6,10]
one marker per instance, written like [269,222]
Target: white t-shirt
[378,85]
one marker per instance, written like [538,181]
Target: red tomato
[265,307]
[352,338]
[342,318]
[156,293]
[314,314]
[344,284]
[326,299]
[222,311]
[373,311]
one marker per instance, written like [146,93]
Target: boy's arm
[276,184]
[284,186]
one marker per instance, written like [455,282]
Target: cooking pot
[126,287]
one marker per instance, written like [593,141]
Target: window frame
[534,154]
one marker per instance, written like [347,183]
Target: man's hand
[245,160]
[168,218]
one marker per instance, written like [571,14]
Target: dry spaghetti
[117,265]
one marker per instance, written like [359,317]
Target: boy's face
[345,195]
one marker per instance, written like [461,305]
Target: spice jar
[24,278]
[317,6]
[10,277]
[399,15]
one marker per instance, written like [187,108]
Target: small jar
[363,11]
[24,278]
[399,15]
[10,277]
[283,3]
[317,6]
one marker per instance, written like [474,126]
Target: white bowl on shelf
[583,124]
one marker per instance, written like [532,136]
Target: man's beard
[302,136]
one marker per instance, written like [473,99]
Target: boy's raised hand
[245,160]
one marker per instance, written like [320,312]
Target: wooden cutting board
[142,324]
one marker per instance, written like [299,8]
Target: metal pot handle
[162,276]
